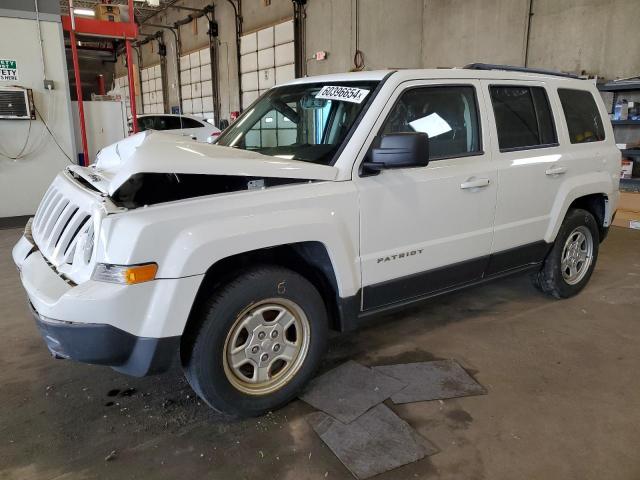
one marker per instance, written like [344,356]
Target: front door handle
[475,183]
[556,171]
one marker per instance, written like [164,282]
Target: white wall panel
[185,64]
[205,72]
[194,59]
[266,58]
[197,104]
[249,62]
[248,43]
[185,77]
[285,73]
[265,38]
[285,54]
[284,32]
[207,104]
[207,88]
[249,81]
[195,90]
[249,97]
[205,56]
[266,78]
[195,74]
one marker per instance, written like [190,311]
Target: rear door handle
[475,183]
[556,171]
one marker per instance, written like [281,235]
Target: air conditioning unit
[16,104]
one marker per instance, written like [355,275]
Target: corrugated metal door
[267,58]
[197,87]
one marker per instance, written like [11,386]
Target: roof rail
[512,68]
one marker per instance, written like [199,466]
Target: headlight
[125,274]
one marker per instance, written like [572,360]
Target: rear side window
[523,117]
[173,123]
[583,117]
[189,123]
[145,123]
[448,114]
[167,123]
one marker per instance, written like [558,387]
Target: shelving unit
[627,131]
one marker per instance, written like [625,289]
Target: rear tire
[257,342]
[569,265]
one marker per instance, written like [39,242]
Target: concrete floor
[562,376]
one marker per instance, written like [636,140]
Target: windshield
[305,122]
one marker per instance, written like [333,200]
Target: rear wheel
[569,265]
[259,339]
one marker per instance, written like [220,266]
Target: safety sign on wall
[8,70]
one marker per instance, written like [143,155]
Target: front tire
[569,265]
[256,343]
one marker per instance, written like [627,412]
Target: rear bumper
[103,344]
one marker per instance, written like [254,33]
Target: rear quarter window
[582,115]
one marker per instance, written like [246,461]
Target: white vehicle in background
[184,125]
[332,199]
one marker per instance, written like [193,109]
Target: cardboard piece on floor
[347,391]
[375,442]
[431,381]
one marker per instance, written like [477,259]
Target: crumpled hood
[156,152]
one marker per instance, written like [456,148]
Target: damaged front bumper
[135,329]
[102,344]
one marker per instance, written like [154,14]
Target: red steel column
[76,71]
[132,87]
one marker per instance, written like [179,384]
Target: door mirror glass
[399,150]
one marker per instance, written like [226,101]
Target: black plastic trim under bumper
[103,344]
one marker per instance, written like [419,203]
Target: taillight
[215,134]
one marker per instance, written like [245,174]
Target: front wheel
[569,265]
[258,341]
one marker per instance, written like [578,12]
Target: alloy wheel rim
[577,255]
[266,346]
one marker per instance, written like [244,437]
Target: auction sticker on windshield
[345,94]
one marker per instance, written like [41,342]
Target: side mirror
[399,150]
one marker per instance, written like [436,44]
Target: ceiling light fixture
[85,12]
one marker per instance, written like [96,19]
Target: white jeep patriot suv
[329,200]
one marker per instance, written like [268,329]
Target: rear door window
[523,117]
[582,115]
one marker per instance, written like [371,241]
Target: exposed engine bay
[152,188]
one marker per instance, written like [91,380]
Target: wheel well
[594,204]
[309,259]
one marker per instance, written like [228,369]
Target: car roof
[146,115]
[433,74]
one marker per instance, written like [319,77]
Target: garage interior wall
[24,181]
[595,36]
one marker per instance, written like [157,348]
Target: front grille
[58,225]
